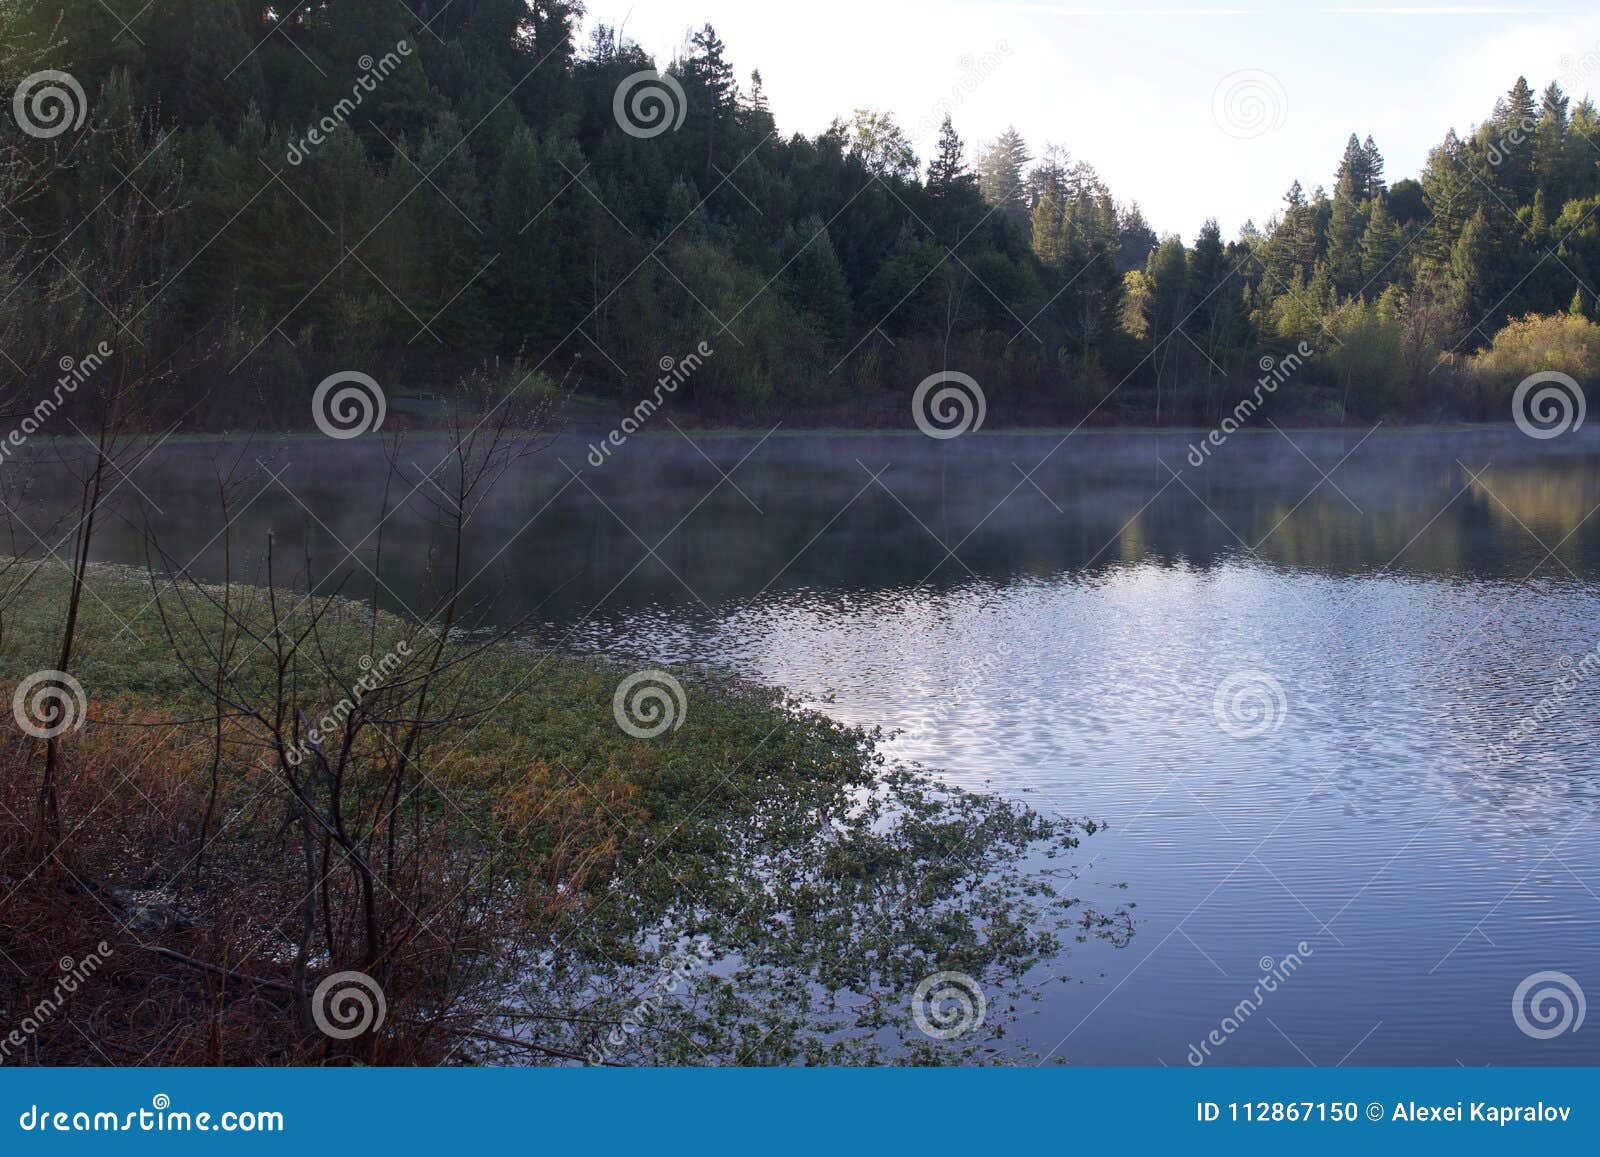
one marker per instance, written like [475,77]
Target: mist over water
[1052,620]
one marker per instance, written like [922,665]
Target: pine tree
[1000,175]
[1168,274]
[1476,269]
[1538,218]
[1375,183]
[1207,270]
[711,93]
[1519,107]
[1345,231]
[1293,251]
[1449,196]
[1353,190]
[1135,238]
[206,55]
[546,92]
[947,169]
[1091,212]
[757,115]
[1050,227]
[957,204]
[1515,176]
[1053,165]
[1549,143]
[1354,177]
[1580,170]
[519,233]
[1380,247]
[817,280]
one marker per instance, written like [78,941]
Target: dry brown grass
[198,970]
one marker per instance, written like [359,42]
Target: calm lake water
[1061,637]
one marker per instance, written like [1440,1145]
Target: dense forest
[258,196]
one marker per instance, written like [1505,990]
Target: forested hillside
[258,196]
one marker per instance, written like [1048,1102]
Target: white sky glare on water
[1130,87]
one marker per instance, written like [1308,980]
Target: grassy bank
[538,875]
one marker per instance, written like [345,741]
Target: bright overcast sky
[1132,88]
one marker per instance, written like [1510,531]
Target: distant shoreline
[776,430]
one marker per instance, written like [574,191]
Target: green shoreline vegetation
[548,867]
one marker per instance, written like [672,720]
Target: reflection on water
[1057,632]
[661,526]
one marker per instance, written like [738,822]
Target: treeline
[262,195]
